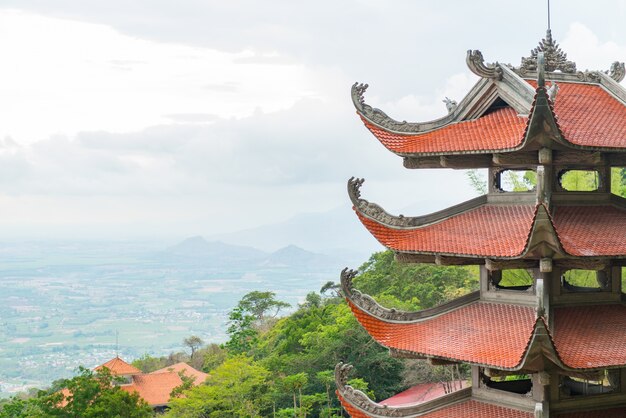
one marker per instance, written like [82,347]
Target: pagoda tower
[552,347]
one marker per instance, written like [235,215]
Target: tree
[259,304]
[312,299]
[326,378]
[213,356]
[194,342]
[294,384]
[477,180]
[148,364]
[413,286]
[87,395]
[237,388]
[331,286]
[241,330]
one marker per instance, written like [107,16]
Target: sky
[159,119]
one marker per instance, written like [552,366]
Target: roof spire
[549,29]
[555,58]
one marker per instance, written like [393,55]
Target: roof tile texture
[467,409]
[421,393]
[117,366]
[591,336]
[591,230]
[484,333]
[500,129]
[590,116]
[489,230]
[154,388]
[587,114]
[182,367]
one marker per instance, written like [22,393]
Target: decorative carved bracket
[373,308]
[358,398]
[617,71]
[381,119]
[373,210]
[365,404]
[476,64]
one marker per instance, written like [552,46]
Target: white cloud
[584,47]
[198,119]
[63,76]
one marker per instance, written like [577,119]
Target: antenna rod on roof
[548,14]
[117,333]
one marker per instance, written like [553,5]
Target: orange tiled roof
[199,377]
[498,130]
[591,336]
[591,230]
[421,393]
[589,116]
[117,366]
[467,409]
[605,413]
[488,231]
[154,388]
[482,333]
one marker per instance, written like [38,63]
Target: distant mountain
[293,255]
[198,248]
[332,233]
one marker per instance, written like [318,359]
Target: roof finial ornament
[476,64]
[617,71]
[451,105]
[556,59]
[541,70]
[552,91]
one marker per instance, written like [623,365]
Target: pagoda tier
[492,227]
[501,116]
[504,336]
[554,347]
[457,404]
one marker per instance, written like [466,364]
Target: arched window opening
[516,180]
[579,180]
[618,181]
[585,280]
[604,381]
[519,384]
[512,279]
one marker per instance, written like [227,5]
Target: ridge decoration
[476,64]
[380,118]
[555,58]
[367,304]
[617,71]
[373,210]
[360,400]
[357,397]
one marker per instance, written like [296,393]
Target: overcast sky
[155,118]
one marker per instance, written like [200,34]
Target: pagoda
[552,347]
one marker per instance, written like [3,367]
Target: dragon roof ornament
[367,304]
[555,58]
[383,120]
[373,210]
[361,401]
[476,64]
[617,71]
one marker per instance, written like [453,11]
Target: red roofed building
[155,388]
[561,343]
